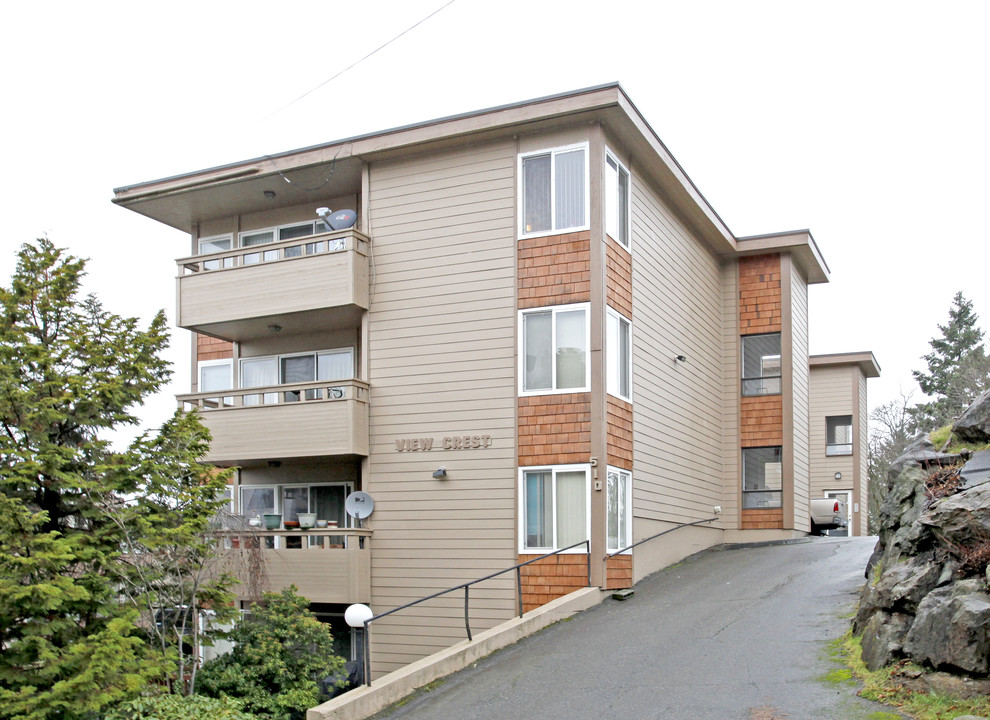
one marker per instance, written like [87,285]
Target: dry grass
[942,482]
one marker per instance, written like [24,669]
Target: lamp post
[357,616]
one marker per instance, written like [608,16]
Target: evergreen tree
[169,571]
[958,368]
[69,370]
[281,654]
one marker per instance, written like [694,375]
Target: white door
[845,496]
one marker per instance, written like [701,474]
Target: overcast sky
[866,122]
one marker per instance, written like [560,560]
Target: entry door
[846,496]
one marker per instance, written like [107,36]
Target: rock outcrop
[926,596]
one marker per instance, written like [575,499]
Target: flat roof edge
[365,136]
[865,359]
[801,241]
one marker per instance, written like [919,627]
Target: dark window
[839,435]
[761,483]
[761,364]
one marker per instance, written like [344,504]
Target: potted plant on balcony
[272,521]
[307,520]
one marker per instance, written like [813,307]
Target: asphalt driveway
[737,634]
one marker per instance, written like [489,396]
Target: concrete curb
[366,701]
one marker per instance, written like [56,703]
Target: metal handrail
[465,586]
[652,537]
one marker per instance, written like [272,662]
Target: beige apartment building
[537,332]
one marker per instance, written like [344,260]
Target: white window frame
[837,449]
[554,310]
[218,263]
[626,541]
[613,354]
[613,199]
[212,239]
[314,353]
[553,152]
[554,470]
[229,362]
[271,398]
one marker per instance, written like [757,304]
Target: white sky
[865,121]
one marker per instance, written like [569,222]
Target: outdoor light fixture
[275,328]
[269,194]
[440,473]
[680,358]
[356,616]
[838,476]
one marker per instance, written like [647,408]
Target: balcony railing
[321,390]
[331,565]
[334,242]
[292,285]
[299,420]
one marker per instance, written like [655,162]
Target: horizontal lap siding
[832,393]
[799,368]
[441,355]
[731,388]
[862,454]
[678,303]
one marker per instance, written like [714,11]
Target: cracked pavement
[727,634]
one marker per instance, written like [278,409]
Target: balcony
[301,420]
[320,280]
[327,566]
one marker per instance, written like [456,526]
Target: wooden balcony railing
[318,391]
[328,565]
[334,242]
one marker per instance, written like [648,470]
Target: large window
[554,355]
[297,368]
[839,435]
[618,359]
[555,507]
[761,364]
[616,201]
[216,376]
[618,521]
[554,190]
[216,244]
[761,482]
[326,500]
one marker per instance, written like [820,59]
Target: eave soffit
[181,201]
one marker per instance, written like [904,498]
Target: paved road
[727,635]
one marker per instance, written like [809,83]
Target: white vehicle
[827,514]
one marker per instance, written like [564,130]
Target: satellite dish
[341,220]
[359,505]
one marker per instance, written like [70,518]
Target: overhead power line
[357,62]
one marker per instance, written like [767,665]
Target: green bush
[281,653]
[178,707]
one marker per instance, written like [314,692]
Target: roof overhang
[867,363]
[182,201]
[799,243]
